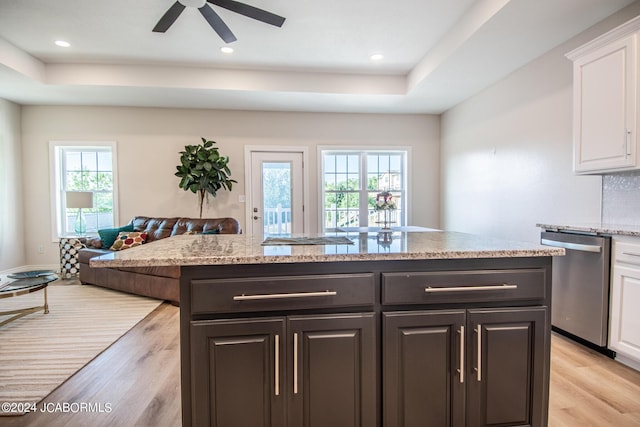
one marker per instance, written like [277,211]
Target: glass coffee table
[23,286]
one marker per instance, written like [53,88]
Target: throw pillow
[128,239]
[213,231]
[109,235]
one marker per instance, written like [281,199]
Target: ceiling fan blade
[250,11]
[217,24]
[169,18]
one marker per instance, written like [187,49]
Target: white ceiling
[436,52]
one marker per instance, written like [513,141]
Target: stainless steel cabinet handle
[277,366]
[572,246]
[244,297]
[479,349]
[461,369]
[500,287]
[295,363]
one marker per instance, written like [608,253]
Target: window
[83,167]
[352,180]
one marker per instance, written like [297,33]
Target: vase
[386,218]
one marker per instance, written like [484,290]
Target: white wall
[149,140]
[12,252]
[507,152]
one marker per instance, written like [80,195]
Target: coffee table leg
[46,303]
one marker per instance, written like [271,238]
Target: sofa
[161,282]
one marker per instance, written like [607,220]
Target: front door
[276,204]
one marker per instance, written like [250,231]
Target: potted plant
[202,170]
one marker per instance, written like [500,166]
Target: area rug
[38,352]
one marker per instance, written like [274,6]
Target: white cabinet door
[624,324]
[605,107]
[625,316]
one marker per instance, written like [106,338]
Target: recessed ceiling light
[62,43]
[376,57]
[226,49]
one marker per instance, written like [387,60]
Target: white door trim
[248,150]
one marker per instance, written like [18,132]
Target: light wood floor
[139,377]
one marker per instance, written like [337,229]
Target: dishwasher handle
[572,246]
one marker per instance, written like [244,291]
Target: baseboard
[602,350]
[634,364]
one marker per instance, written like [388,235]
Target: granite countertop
[595,228]
[245,249]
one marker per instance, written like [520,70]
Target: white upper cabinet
[605,101]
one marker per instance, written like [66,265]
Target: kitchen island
[382,329]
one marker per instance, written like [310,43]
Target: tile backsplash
[621,198]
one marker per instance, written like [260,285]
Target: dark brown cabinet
[420,358]
[367,344]
[476,367]
[285,371]
[236,370]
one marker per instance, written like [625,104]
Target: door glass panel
[276,190]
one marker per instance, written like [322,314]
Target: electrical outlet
[41,249]
[241,198]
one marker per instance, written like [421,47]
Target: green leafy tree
[277,188]
[203,171]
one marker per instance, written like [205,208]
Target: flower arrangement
[385,201]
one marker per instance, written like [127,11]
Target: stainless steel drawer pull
[244,297]
[501,287]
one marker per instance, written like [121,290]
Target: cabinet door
[605,107]
[333,371]
[625,318]
[508,357]
[423,368]
[237,371]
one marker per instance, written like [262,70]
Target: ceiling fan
[214,19]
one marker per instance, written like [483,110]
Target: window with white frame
[83,186]
[352,181]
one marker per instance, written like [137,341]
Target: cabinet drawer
[628,253]
[465,286]
[282,293]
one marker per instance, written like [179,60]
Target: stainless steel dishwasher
[580,291]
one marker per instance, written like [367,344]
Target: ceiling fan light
[62,43]
[376,57]
[226,49]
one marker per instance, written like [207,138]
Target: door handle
[572,246]
[479,349]
[295,363]
[276,369]
[256,217]
[461,369]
